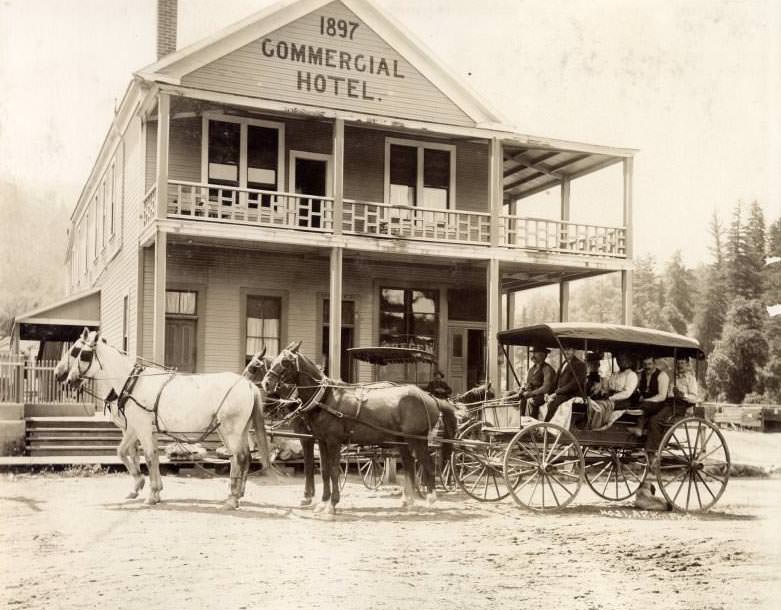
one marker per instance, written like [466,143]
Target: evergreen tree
[742,273]
[679,287]
[756,250]
[674,319]
[769,376]
[712,298]
[596,299]
[771,273]
[742,349]
[647,295]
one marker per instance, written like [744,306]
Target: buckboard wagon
[543,465]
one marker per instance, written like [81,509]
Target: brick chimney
[166,27]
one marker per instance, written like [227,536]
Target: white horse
[146,400]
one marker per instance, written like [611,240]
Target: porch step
[87,436]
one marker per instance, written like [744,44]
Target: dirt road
[73,543]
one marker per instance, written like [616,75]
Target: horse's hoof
[132,495]
[431,499]
[305,502]
[320,507]
[231,504]
[330,509]
[151,501]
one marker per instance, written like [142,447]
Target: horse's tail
[449,413]
[260,428]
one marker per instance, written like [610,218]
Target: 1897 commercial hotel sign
[350,65]
[331,58]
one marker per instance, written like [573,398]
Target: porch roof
[530,169]
[62,320]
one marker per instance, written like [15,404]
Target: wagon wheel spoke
[560,484]
[548,477]
[723,481]
[477,480]
[699,476]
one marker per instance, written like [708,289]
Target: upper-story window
[243,153]
[420,173]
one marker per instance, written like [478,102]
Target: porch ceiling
[528,170]
[530,276]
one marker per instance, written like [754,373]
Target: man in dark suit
[570,381]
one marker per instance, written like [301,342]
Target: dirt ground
[72,542]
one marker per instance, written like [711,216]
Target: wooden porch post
[626,275]
[509,323]
[338,152]
[492,345]
[564,285]
[161,245]
[495,191]
[335,315]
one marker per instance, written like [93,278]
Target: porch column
[335,315]
[509,323]
[338,153]
[158,315]
[492,345]
[163,127]
[495,191]
[626,275]
[565,217]
[161,245]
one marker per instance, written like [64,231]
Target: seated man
[651,393]
[539,382]
[620,386]
[684,394]
[438,386]
[593,378]
[569,383]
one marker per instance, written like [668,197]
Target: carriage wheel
[543,467]
[694,465]
[372,470]
[478,468]
[446,477]
[615,473]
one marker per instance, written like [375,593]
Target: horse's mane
[476,394]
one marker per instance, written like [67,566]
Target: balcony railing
[150,205]
[216,203]
[384,220]
[563,236]
[227,204]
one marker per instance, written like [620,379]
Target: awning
[60,321]
[383,355]
[602,337]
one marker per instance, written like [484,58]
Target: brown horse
[337,413]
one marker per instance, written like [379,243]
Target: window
[181,302]
[263,323]
[243,153]
[124,323]
[103,203]
[113,198]
[420,174]
[409,317]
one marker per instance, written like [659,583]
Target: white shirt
[621,385]
[686,384]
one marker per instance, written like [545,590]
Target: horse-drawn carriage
[543,465]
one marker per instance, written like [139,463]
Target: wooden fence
[33,382]
[761,417]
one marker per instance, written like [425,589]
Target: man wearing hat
[539,382]
[593,378]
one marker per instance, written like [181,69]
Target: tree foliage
[741,351]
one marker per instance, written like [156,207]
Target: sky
[694,85]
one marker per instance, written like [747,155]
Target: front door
[466,358]
[310,176]
[180,344]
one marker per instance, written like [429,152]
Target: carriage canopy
[383,355]
[603,337]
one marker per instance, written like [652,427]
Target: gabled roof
[172,68]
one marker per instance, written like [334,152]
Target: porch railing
[150,205]
[228,204]
[386,220]
[563,236]
[216,203]
[33,382]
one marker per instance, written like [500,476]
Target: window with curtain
[263,325]
[403,174]
[181,302]
[420,174]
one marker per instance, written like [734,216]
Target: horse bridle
[85,353]
[273,373]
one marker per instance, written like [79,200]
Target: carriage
[544,465]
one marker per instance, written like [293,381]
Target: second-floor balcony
[211,203]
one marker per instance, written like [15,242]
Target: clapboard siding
[120,277]
[148,299]
[364,158]
[247,71]
[228,275]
